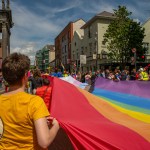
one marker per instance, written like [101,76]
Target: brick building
[63,44]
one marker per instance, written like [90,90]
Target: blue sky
[38,22]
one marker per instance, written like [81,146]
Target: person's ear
[24,79]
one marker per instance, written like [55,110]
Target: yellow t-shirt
[18,112]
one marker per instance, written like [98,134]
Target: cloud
[136,20]
[28,49]
[30,28]
[33,30]
[52,11]
[38,24]
[96,7]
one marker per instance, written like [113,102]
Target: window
[90,32]
[65,48]
[103,42]
[90,45]
[62,50]
[68,34]
[90,48]
[90,53]
[85,49]
[65,59]
[82,50]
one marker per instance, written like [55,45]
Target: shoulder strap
[45,92]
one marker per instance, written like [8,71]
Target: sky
[38,22]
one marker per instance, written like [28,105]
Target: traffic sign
[132,59]
[133,50]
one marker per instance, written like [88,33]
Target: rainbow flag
[75,82]
[115,117]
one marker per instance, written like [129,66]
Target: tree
[122,35]
[136,35]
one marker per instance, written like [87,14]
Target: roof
[50,47]
[71,22]
[102,15]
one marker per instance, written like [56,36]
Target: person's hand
[49,120]
[55,123]
[52,122]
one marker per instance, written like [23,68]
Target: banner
[82,59]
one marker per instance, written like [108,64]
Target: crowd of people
[36,116]
[35,79]
[142,74]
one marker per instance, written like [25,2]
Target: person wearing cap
[143,74]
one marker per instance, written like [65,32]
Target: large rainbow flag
[116,116]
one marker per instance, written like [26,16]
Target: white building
[146,39]
[90,42]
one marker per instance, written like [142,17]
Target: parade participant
[45,92]
[37,79]
[123,75]
[143,74]
[23,115]
[133,74]
[78,76]
[88,78]
[59,73]
[111,76]
[31,83]
[66,74]
[73,74]
[83,77]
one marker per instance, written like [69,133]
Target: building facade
[44,57]
[146,40]
[91,43]
[63,44]
[5,25]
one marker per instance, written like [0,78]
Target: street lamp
[134,51]
[96,49]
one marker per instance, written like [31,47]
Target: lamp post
[134,51]
[96,49]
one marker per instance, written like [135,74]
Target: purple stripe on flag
[138,88]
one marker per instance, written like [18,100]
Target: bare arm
[45,136]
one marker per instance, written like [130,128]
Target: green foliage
[122,35]
[32,67]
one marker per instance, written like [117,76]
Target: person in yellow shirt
[23,116]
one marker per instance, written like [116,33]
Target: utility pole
[96,48]
[134,51]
